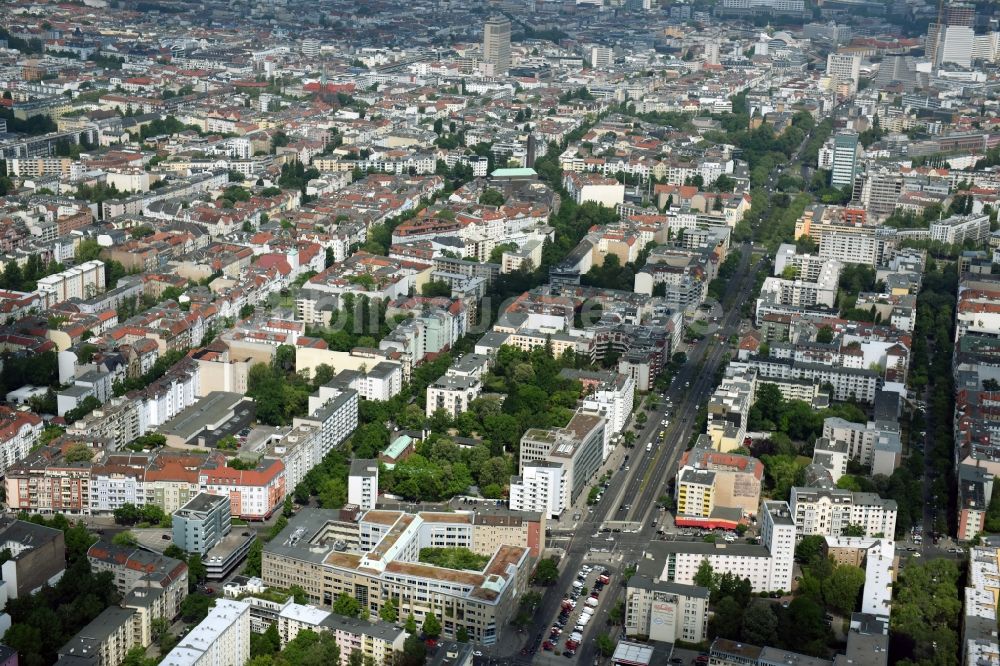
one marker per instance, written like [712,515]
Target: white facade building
[828,512]
[768,566]
[614,401]
[844,70]
[362,483]
[83,282]
[221,639]
[452,394]
[541,487]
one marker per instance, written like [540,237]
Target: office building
[844,70]
[496,45]
[221,639]
[202,523]
[362,483]
[577,448]
[601,57]
[384,564]
[845,159]
[951,39]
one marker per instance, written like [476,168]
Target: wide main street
[638,484]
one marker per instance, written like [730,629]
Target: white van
[649,446]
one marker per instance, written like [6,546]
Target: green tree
[704,576]
[810,548]
[435,288]
[347,605]
[267,643]
[78,453]
[388,612]
[853,531]
[840,590]
[414,652]
[254,556]
[759,624]
[824,335]
[491,197]
[195,607]
[431,626]
[411,624]
[547,572]
[125,539]
[87,250]
[197,571]
[728,619]
[605,644]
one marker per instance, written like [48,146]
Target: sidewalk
[614,463]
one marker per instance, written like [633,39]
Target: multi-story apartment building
[379,641]
[254,493]
[848,383]
[362,483]
[584,187]
[19,432]
[542,486]
[154,575]
[958,229]
[298,448]
[715,488]
[45,482]
[37,558]
[856,248]
[811,281]
[980,613]
[223,637]
[829,511]
[385,565]
[105,640]
[664,611]
[117,422]
[453,394]
[83,281]
[46,166]
[335,418]
[610,394]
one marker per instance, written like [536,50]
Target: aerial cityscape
[497,333]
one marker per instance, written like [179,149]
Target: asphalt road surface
[639,488]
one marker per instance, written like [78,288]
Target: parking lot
[583,608]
